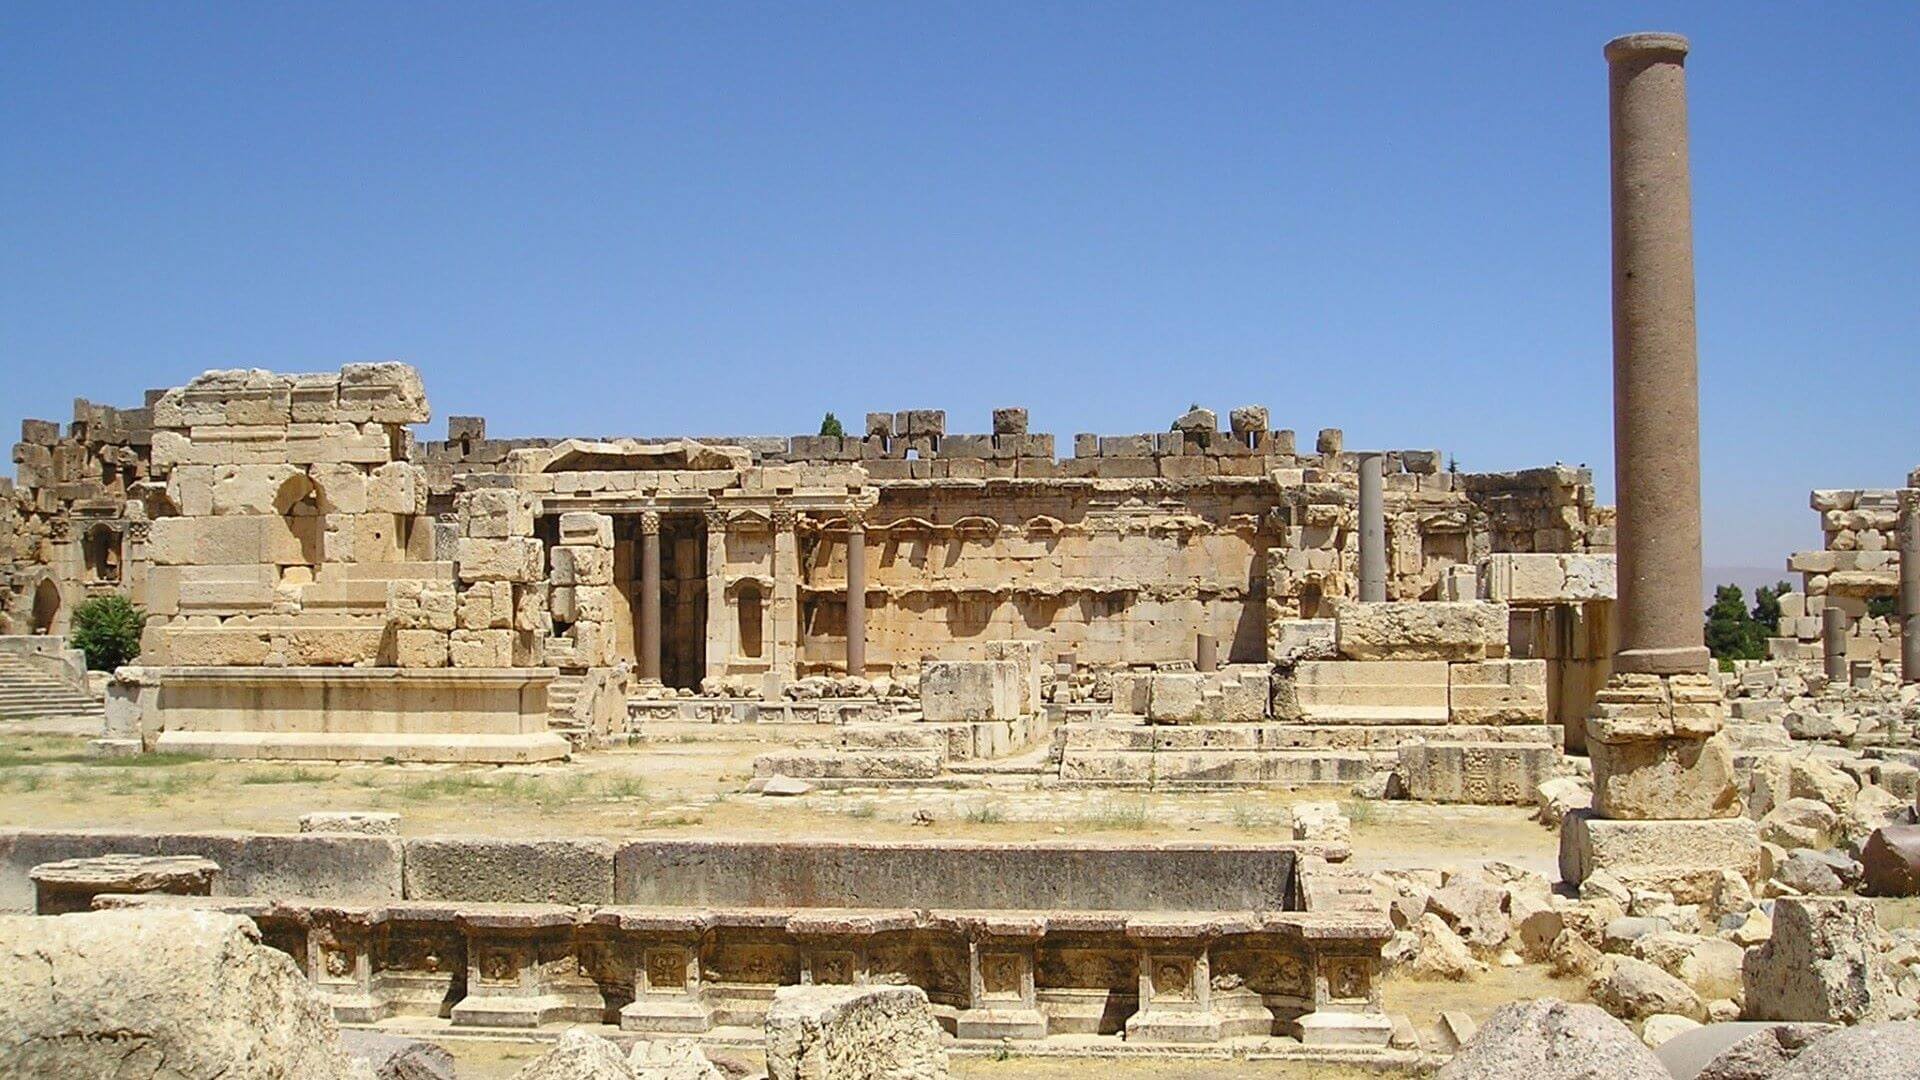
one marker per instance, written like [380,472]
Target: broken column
[1833,643]
[1666,814]
[1909,585]
[650,596]
[1373,531]
[856,592]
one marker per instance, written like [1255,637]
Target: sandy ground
[694,788]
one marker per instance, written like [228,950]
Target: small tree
[830,425]
[1732,633]
[1766,606]
[107,628]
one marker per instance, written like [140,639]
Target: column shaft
[719,614]
[650,596]
[1373,530]
[1656,395]
[785,610]
[856,598]
[1833,643]
[1909,609]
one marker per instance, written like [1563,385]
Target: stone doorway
[683,600]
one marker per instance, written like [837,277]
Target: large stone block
[1477,772]
[853,1033]
[1177,698]
[1031,656]
[1420,630]
[1371,692]
[513,559]
[1824,963]
[1664,778]
[551,871]
[954,691]
[1497,692]
[1543,578]
[1683,857]
[387,392]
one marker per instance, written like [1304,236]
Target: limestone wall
[1858,562]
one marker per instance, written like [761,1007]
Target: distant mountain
[1748,578]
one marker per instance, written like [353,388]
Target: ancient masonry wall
[1858,562]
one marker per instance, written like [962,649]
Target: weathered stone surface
[1439,954]
[1891,861]
[185,995]
[1634,990]
[359,822]
[1882,1051]
[672,1059]
[578,1055]
[397,1057]
[853,1033]
[1483,773]
[1800,823]
[1823,964]
[1474,908]
[1741,1050]
[1660,1028]
[1664,778]
[956,691]
[1684,858]
[1420,630]
[556,871]
[1550,1039]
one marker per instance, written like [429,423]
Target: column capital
[137,531]
[1647,46]
[784,518]
[716,518]
[649,522]
[856,517]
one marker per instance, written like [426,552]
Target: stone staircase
[562,692]
[28,693]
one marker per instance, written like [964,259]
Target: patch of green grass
[1360,811]
[1116,816]
[984,813]
[284,776]
[138,784]
[452,785]
[623,788]
[1249,819]
[21,782]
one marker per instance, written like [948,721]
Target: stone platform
[479,715]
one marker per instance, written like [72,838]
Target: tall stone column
[719,615]
[1373,530]
[1833,643]
[650,596]
[1666,812]
[856,591]
[785,608]
[1909,609]
[1656,385]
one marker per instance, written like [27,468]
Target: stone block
[581,566]
[853,1033]
[1294,640]
[486,605]
[420,648]
[481,648]
[1177,698]
[1031,656]
[1420,630]
[1248,420]
[1529,578]
[1375,691]
[916,422]
[1683,857]
[1497,692]
[488,870]
[953,691]
[1482,773]
[386,393]
[398,487]
[879,425]
[1664,778]
[1824,963]
[1010,421]
[513,559]
[1329,441]
[497,514]
[354,822]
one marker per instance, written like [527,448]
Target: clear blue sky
[732,218]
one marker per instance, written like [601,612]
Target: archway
[46,606]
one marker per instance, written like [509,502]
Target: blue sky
[729,217]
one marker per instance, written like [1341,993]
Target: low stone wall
[723,873]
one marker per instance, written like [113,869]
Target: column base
[1684,857]
[511,1012]
[1693,660]
[666,1016]
[1329,1028]
[1192,1025]
[1017,1023]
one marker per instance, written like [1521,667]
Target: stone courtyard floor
[695,787]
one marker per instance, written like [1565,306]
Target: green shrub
[107,628]
[830,425]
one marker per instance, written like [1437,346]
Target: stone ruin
[1189,608]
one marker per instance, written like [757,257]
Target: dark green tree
[830,425]
[1886,607]
[107,628]
[1732,633]
[1766,606]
